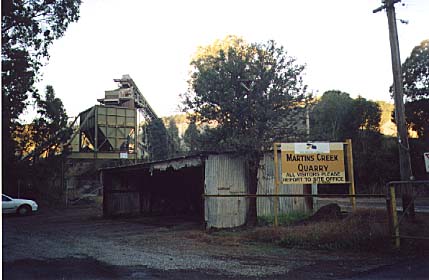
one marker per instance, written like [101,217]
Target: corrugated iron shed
[181,183]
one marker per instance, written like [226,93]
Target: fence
[395,218]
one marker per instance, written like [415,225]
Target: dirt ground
[78,243]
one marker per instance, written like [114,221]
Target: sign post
[314,163]
[351,173]
[276,183]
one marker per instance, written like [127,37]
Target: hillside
[387,126]
[180,120]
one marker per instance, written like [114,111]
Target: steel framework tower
[113,130]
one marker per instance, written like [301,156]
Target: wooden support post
[96,129]
[395,223]
[352,189]
[314,192]
[389,212]
[136,137]
[276,183]
[398,95]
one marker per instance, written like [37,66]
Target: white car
[15,205]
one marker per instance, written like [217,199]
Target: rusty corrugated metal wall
[265,205]
[225,174]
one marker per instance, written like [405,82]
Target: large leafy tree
[246,89]
[415,71]
[28,29]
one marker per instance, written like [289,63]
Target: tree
[365,115]
[331,115]
[157,139]
[192,137]
[51,124]
[28,29]
[173,138]
[48,132]
[247,89]
[364,130]
[41,145]
[337,117]
[415,73]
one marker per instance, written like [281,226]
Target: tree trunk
[252,218]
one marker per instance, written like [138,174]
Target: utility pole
[404,148]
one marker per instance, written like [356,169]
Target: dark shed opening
[143,189]
[173,192]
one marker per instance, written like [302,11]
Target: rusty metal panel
[265,205]
[225,174]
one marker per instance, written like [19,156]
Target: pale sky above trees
[344,45]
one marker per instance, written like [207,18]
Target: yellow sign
[313,163]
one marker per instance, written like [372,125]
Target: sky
[344,45]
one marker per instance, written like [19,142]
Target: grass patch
[360,230]
[283,219]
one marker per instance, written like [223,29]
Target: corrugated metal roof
[179,161]
[170,162]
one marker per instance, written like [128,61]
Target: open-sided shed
[178,186]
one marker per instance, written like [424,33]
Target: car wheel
[24,210]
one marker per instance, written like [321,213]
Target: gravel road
[77,243]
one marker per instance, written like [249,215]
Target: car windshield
[5,198]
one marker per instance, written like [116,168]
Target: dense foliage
[330,118]
[48,132]
[28,29]
[157,138]
[245,88]
[337,117]
[41,149]
[174,147]
[192,138]
[415,71]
